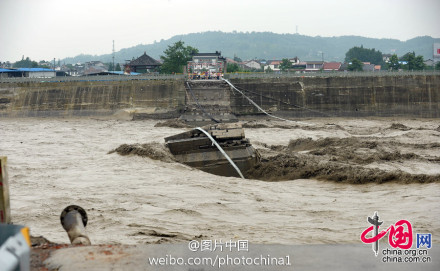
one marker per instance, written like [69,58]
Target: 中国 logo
[400,237]
[400,234]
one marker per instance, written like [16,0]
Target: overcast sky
[48,29]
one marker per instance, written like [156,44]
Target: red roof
[332,66]
[275,62]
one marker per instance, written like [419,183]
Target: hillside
[268,45]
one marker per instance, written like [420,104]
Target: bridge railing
[93,78]
[227,76]
[326,74]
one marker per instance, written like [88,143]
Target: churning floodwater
[131,199]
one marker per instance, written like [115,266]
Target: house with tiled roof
[273,65]
[331,66]
[143,64]
[314,65]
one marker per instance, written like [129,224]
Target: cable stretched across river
[222,151]
[261,109]
[294,105]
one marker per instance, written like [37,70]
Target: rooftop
[332,65]
[144,60]
[217,53]
[27,70]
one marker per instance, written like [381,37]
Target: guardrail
[326,74]
[93,78]
[227,76]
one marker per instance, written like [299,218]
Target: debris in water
[173,123]
[155,151]
[399,126]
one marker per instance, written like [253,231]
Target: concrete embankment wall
[89,98]
[409,95]
[393,95]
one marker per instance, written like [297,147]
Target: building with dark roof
[143,64]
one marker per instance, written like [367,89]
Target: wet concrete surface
[258,257]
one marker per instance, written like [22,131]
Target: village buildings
[209,64]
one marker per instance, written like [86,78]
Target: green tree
[268,70]
[414,63]
[409,58]
[176,57]
[25,63]
[364,55]
[355,65]
[285,64]
[111,67]
[118,67]
[437,66]
[232,67]
[419,63]
[394,63]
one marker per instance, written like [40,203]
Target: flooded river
[131,199]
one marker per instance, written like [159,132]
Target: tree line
[357,55]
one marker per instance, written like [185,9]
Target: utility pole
[322,55]
[113,55]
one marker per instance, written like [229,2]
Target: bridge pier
[207,101]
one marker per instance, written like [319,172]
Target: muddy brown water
[132,199]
